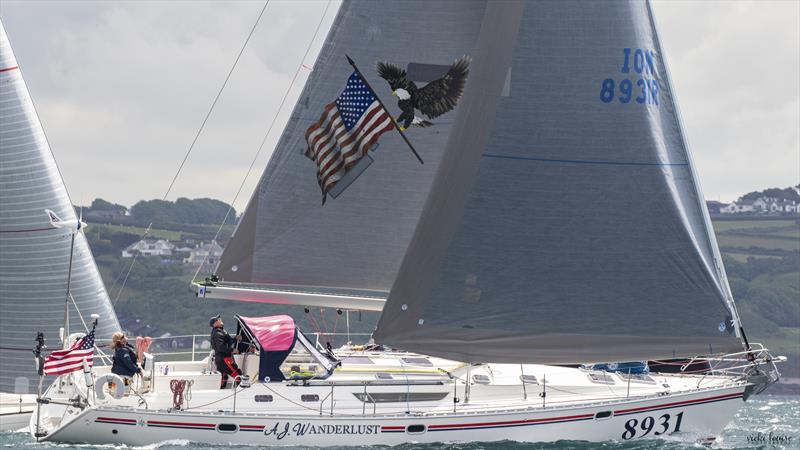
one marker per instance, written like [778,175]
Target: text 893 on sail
[642,90]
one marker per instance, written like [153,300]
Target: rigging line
[194,141]
[269,130]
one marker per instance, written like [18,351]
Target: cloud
[121,88]
[736,71]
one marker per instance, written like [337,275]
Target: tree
[184,211]
[99,204]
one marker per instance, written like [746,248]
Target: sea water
[765,422]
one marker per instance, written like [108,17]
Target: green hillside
[762,259]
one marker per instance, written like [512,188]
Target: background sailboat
[35,255]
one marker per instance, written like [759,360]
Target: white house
[789,207]
[209,253]
[768,205]
[160,247]
[739,206]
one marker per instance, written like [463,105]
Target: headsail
[35,253]
[355,242]
[567,226]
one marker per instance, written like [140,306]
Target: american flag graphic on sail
[347,129]
[71,359]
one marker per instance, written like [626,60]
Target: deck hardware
[522,378]
[628,392]
[481,379]
[543,394]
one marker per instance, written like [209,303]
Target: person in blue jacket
[125,363]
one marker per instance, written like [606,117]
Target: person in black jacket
[224,346]
[125,363]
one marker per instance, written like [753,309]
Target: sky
[122,87]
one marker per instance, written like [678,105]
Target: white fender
[100,384]
[149,362]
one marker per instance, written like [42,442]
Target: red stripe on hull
[683,403]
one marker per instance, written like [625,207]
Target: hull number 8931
[656,425]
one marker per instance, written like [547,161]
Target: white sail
[34,254]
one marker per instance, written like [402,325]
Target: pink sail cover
[274,333]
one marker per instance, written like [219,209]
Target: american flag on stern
[71,359]
[347,129]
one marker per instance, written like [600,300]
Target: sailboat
[38,259]
[511,269]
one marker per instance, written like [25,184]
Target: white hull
[15,421]
[391,398]
[15,411]
[698,416]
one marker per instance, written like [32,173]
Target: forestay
[565,223]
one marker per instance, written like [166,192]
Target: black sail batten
[581,235]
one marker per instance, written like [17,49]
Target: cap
[213,319]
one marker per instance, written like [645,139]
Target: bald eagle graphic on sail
[432,100]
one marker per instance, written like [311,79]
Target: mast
[66,300]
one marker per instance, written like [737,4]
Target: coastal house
[714,206]
[159,247]
[738,207]
[209,253]
[762,205]
[788,207]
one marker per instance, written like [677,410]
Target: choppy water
[760,420]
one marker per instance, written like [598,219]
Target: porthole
[227,428]
[415,429]
[309,397]
[263,398]
[603,415]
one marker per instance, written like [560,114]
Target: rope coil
[181,391]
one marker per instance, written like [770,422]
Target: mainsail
[565,223]
[34,255]
[291,245]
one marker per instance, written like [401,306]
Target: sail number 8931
[635,428]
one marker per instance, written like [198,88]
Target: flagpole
[37,353]
[396,126]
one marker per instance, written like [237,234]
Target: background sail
[567,227]
[34,255]
[357,240]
